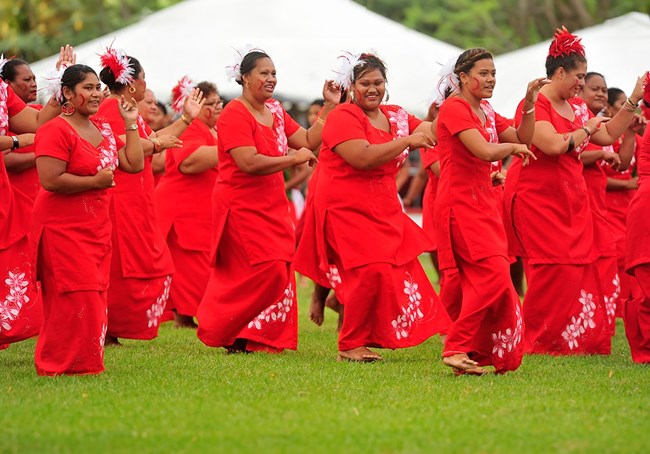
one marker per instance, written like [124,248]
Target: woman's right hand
[25,140]
[169,141]
[421,140]
[637,93]
[104,179]
[594,123]
[523,152]
[305,155]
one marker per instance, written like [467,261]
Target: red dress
[636,312]
[551,226]
[618,201]
[21,312]
[141,265]
[366,245]
[471,237]
[184,213]
[72,235]
[251,293]
[26,181]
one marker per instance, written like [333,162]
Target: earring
[131,89]
[67,108]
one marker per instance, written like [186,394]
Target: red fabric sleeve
[193,137]
[502,123]
[290,125]
[414,122]
[52,139]
[236,127]
[429,156]
[110,113]
[15,105]
[458,116]
[343,124]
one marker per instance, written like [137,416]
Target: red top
[256,204]
[638,225]
[184,201]
[362,205]
[143,250]
[629,172]
[465,191]
[547,201]
[429,157]
[78,224]
[14,209]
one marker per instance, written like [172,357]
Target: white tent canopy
[303,37]
[617,49]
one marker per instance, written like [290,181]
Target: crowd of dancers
[114,219]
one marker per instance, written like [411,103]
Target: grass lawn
[175,395]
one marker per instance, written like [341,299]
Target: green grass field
[175,395]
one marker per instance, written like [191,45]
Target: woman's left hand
[332,92]
[533,89]
[67,57]
[612,158]
[193,104]
[638,125]
[498,178]
[128,110]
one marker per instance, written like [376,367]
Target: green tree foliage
[33,29]
[500,25]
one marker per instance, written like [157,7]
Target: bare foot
[112,341]
[184,321]
[316,309]
[360,355]
[333,303]
[461,364]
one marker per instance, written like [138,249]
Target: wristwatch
[132,127]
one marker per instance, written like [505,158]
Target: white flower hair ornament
[448,80]
[180,92]
[234,71]
[345,70]
[118,62]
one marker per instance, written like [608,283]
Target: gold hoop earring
[131,89]
[67,108]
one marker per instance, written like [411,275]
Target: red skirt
[564,310]
[71,340]
[489,327]
[451,292]
[636,316]
[386,306]
[190,278]
[135,305]
[21,311]
[252,302]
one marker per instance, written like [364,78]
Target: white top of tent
[617,49]
[303,37]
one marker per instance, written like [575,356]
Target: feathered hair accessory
[345,70]
[52,84]
[118,62]
[181,91]
[449,81]
[234,71]
[564,43]
[3,61]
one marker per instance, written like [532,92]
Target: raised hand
[332,92]
[67,57]
[637,93]
[128,110]
[533,88]
[193,104]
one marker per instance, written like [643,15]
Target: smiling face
[569,83]
[369,89]
[479,82]
[24,84]
[148,107]
[85,96]
[594,93]
[261,80]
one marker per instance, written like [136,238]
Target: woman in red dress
[250,301]
[636,311]
[594,158]
[183,200]
[362,240]
[21,162]
[141,266]
[621,187]
[21,313]
[488,326]
[549,216]
[76,158]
